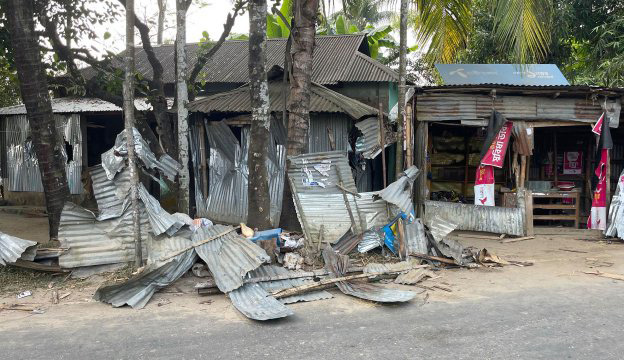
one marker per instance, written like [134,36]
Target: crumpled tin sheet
[337,266]
[106,192]
[113,159]
[12,248]
[615,224]
[228,172]
[137,291]
[257,304]
[160,220]
[92,242]
[368,144]
[416,237]
[370,239]
[399,192]
[229,257]
[401,266]
[440,229]
[494,219]
[267,271]
[22,163]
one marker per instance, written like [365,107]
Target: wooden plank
[555,195]
[555,217]
[554,206]
[528,205]
[382,142]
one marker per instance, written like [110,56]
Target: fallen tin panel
[337,266]
[347,243]
[229,256]
[493,219]
[399,192]
[92,242]
[106,194]
[257,304]
[160,220]
[440,229]
[412,277]
[370,239]
[319,173]
[416,237]
[615,224]
[12,248]
[268,271]
[137,291]
[401,266]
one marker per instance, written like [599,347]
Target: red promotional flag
[495,156]
[597,129]
[598,215]
[484,186]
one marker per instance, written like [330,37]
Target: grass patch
[15,279]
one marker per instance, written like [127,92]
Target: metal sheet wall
[321,125]
[22,164]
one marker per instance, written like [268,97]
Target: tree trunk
[303,31]
[162,10]
[128,102]
[182,100]
[401,102]
[259,201]
[34,90]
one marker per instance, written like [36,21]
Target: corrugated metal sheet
[113,159]
[322,99]
[228,171]
[229,257]
[440,229]
[160,220]
[12,247]
[92,242]
[337,266]
[137,291]
[416,237]
[458,106]
[106,193]
[22,164]
[494,219]
[73,105]
[615,224]
[370,239]
[364,68]
[267,271]
[334,56]
[322,125]
[369,143]
[255,303]
[304,170]
[399,192]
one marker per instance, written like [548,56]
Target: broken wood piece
[606,275]
[574,251]
[442,287]
[510,240]
[64,295]
[339,186]
[55,297]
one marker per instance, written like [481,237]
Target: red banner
[597,129]
[495,155]
[484,186]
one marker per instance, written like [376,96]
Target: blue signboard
[508,74]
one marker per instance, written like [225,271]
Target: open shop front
[552,165]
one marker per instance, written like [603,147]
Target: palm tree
[521,27]
[34,90]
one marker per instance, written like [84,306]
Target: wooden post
[409,132]
[523,166]
[528,203]
[555,157]
[202,158]
[382,143]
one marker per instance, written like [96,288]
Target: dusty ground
[559,258]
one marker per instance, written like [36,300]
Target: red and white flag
[598,215]
[495,156]
[484,186]
[597,129]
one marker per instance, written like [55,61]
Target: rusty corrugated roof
[322,99]
[336,59]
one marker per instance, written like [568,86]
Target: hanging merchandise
[572,162]
[495,155]
[484,186]
[598,215]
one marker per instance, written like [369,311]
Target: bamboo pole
[382,143]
